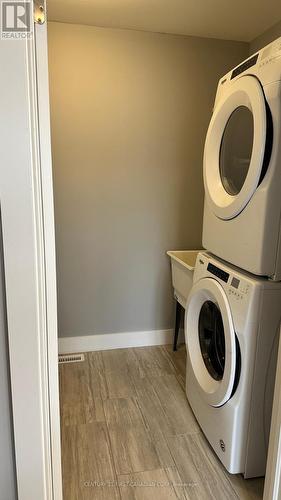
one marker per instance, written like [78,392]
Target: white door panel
[28,245]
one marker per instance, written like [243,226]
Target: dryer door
[211,341]
[235,148]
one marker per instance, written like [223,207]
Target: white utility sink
[183,264]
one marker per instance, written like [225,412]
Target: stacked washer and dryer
[234,309]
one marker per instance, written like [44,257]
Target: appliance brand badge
[222,445]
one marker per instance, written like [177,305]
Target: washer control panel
[216,271]
[238,288]
[235,285]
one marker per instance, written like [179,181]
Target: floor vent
[71,358]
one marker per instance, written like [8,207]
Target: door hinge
[39,11]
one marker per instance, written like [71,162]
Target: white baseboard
[89,343]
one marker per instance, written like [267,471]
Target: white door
[29,263]
[235,147]
[211,341]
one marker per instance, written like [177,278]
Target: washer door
[235,148]
[210,341]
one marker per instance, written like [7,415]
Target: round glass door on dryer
[242,166]
[213,354]
[235,148]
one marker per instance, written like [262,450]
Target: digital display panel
[246,65]
[218,272]
[235,282]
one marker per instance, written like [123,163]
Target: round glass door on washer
[211,343]
[212,339]
[242,166]
[231,333]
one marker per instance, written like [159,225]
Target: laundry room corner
[129,113]
[140,250]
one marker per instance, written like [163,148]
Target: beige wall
[266,37]
[129,116]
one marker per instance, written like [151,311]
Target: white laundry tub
[183,264]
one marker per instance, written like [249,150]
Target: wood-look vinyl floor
[128,432]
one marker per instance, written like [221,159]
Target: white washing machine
[242,166]
[232,332]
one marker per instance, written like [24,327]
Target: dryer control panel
[244,66]
[265,65]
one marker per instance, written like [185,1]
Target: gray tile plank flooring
[88,471]
[132,447]
[128,432]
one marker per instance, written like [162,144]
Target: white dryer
[242,166]
[232,331]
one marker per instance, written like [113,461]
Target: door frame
[27,214]
[41,81]
[272,487]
